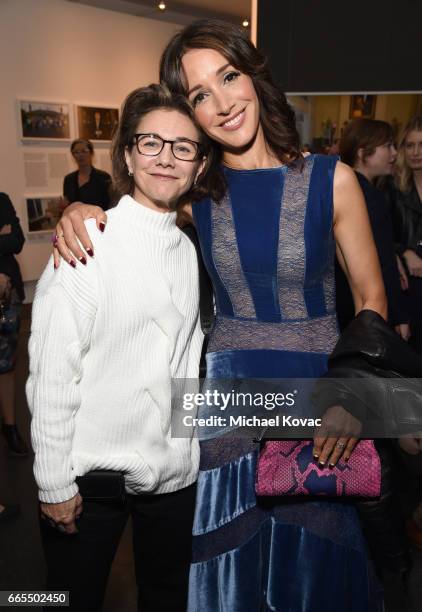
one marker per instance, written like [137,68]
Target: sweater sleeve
[63,315]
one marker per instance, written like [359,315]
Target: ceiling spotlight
[245,23]
[162,6]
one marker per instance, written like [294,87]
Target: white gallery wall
[54,50]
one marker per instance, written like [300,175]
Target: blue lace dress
[269,250]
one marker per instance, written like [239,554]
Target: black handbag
[102,486]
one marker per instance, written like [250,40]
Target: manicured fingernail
[90,252]
[346,459]
[55,265]
[321,464]
[331,465]
[83,260]
[316,456]
[102,226]
[72,263]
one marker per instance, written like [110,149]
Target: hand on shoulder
[73,242]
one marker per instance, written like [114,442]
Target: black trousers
[162,542]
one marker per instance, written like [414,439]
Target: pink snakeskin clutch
[287,467]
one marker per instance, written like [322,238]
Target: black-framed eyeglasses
[182,148]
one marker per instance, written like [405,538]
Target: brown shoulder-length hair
[403,175]
[365,134]
[277,116]
[139,103]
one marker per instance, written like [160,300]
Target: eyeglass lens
[153,145]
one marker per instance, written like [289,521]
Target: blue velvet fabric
[293,569]
[261,363]
[269,250]
[221,509]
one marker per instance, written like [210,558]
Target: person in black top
[11,296]
[405,198]
[87,184]
[367,146]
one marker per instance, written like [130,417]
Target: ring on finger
[337,452]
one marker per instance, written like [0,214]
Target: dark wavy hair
[139,103]
[365,134]
[276,115]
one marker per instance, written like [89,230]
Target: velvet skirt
[253,554]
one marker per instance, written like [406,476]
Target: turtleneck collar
[146,218]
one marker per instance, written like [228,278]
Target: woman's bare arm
[71,233]
[356,249]
[358,257]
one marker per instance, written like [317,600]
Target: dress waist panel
[318,335]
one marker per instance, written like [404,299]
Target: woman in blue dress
[268,234]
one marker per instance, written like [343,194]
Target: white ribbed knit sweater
[106,339]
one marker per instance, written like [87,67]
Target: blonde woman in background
[405,198]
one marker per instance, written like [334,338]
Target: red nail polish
[55,266]
[90,252]
[83,260]
[102,226]
[72,263]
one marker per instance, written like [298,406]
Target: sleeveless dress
[269,250]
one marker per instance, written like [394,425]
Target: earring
[130,173]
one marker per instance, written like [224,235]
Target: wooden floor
[21,561]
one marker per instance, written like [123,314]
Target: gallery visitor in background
[11,296]
[405,198]
[87,184]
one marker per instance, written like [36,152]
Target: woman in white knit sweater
[106,340]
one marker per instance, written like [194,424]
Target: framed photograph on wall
[96,122]
[43,212]
[44,120]
[362,106]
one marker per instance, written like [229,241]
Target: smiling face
[160,180]
[413,150]
[225,101]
